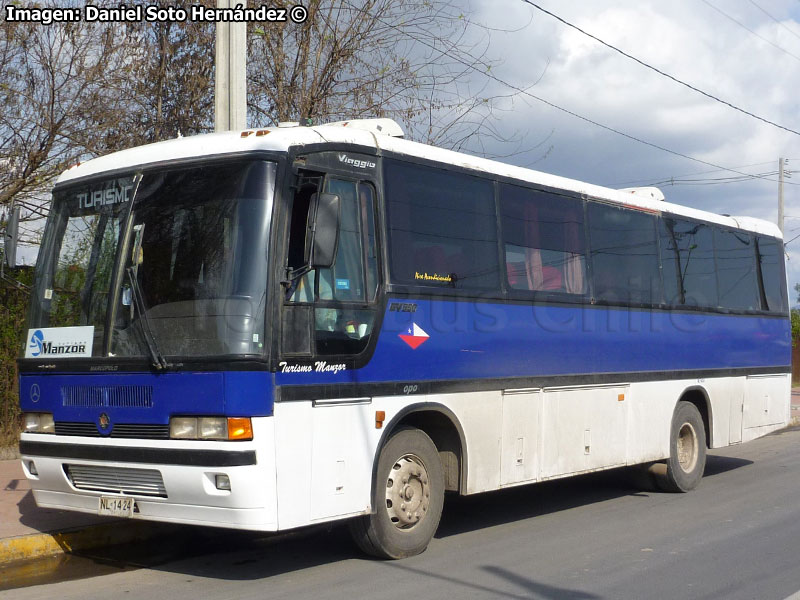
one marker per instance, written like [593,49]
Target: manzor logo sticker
[37,342]
[60,342]
[414,336]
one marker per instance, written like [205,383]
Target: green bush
[795,327]
[13,305]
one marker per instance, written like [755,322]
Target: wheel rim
[408,492]
[687,447]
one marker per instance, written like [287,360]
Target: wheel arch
[443,427]
[698,396]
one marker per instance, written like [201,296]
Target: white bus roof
[380,134]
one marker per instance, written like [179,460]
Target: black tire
[409,474]
[687,450]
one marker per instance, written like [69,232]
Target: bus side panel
[521,440]
[325,449]
[480,415]
[725,397]
[767,404]
[324,453]
[583,428]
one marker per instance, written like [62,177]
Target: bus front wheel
[407,500]
[687,450]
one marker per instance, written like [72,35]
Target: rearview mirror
[10,238]
[323,231]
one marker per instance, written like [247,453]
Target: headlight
[210,428]
[183,428]
[38,423]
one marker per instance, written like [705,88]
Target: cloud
[688,40]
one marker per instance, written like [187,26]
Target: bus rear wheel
[687,450]
[408,498]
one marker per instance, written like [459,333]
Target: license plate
[115,507]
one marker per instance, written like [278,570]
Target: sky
[743,52]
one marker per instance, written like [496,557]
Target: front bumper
[185,471]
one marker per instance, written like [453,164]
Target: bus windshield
[179,257]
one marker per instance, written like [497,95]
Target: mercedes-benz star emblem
[104,421]
[36,393]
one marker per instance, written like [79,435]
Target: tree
[71,91]
[53,85]
[165,90]
[417,61]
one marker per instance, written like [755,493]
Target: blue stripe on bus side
[470,340]
[466,340]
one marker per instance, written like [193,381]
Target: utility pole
[781,162]
[230,83]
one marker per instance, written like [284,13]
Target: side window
[624,252]
[543,241]
[769,253]
[736,270]
[339,296]
[442,228]
[687,258]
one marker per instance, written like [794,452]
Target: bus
[279,327]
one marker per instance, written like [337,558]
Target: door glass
[340,294]
[344,281]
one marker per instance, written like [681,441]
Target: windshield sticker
[342,284]
[59,342]
[433,277]
[116,194]
[320,366]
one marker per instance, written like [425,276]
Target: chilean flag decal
[414,336]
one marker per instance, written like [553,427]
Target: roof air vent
[651,193]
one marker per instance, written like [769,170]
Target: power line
[527,93]
[774,19]
[745,27]
[722,180]
[613,130]
[660,72]
[635,181]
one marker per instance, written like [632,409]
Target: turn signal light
[210,428]
[240,428]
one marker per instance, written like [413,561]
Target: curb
[41,545]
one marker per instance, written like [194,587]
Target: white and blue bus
[280,327]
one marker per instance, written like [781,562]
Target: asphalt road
[598,536]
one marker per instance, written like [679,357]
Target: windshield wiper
[159,362]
